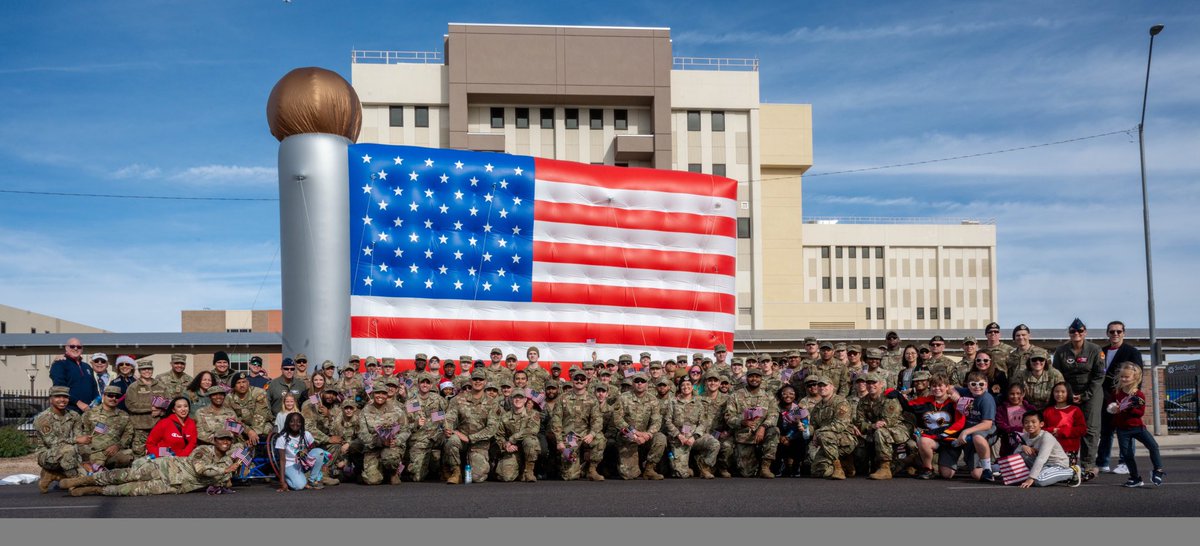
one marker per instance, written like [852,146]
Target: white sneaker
[1106,469]
[1121,469]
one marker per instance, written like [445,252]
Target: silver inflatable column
[314,238]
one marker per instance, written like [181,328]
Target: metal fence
[1180,406]
[18,408]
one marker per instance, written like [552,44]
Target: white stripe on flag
[554,232]
[550,352]
[633,277]
[582,194]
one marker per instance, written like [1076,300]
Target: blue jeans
[1104,450]
[295,476]
[1125,440]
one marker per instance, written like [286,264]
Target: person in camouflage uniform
[57,450]
[175,381]
[995,348]
[463,380]
[577,413]
[537,374]
[830,369]
[874,362]
[938,362]
[382,456]
[217,416]
[206,466]
[1016,361]
[549,463]
[470,426]
[420,365]
[108,431]
[609,400]
[893,352]
[833,433]
[1039,378]
[880,425]
[686,424]
[250,405]
[348,427]
[138,400]
[639,426]
[756,438]
[714,405]
[426,442]
[222,373]
[351,385]
[517,440]
[319,420]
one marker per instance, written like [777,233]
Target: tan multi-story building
[20,372]
[617,96]
[236,320]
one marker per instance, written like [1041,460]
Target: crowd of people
[830,411]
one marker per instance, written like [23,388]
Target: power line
[115,196]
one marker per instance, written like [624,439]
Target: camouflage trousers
[725,454]
[829,446]
[750,456]
[594,453]
[705,448]
[628,452]
[143,479]
[63,458]
[121,459]
[138,447]
[508,465]
[477,456]
[423,454]
[879,444]
[384,462]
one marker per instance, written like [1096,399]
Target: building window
[421,113]
[239,362]
[522,118]
[596,118]
[497,118]
[920,313]
[694,168]
[840,283]
[396,116]
[879,252]
[879,283]
[824,283]
[866,283]
[868,313]
[547,118]
[825,252]
[743,225]
[853,252]
[866,252]
[879,313]
[854,283]
[946,313]
[620,119]
[572,118]
[718,121]
[838,252]
[622,164]
[693,117]
[933,313]
[719,169]
[3,327]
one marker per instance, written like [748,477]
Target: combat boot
[848,466]
[527,475]
[764,471]
[88,490]
[48,477]
[329,480]
[455,477]
[837,474]
[884,472]
[78,481]
[649,473]
[724,472]
[705,470]
[394,480]
[595,476]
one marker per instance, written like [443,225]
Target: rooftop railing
[396,57]
[898,220]
[714,63]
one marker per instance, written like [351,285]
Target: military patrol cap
[605,371]
[644,354]
[720,348]
[656,364]
[826,345]
[426,376]
[627,358]
[478,374]
[751,358]
[464,359]
[112,389]
[1038,352]
[391,381]
[681,359]
[300,356]
[818,378]
[510,356]
[891,333]
[238,377]
[874,353]
[663,381]
[601,387]
[330,389]
[858,376]
[923,348]
[922,375]
[707,360]
[991,326]
[588,365]
[505,382]
[764,357]
[145,364]
[215,389]
[639,375]
[839,347]
[352,365]
[380,385]
[856,348]
[328,364]
[223,434]
[876,377]
[421,356]
[496,351]
[712,374]
[737,361]
[611,362]
[553,384]
[810,339]
[793,354]
[370,360]
[349,403]
[517,393]
[697,356]
[490,387]
[60,390]
[555,366]
[969,340]
[754,371]
[177,357]
[355,358]
[389,361]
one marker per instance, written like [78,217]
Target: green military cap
[737,361]
[751,358]
[639,375]
[389,361]
[328,364]
[656,364]
[112,389]
[588,365]
[391,381]
[465,359]
[839,346]
[223,434]
[575,371]
[764,357]
[496,351]
[969,340]
[793,354]
[349,403]
[426,376]
[331,389]
[644,354]
[555,366]
[681,358]
[697,356]
[553,384]
[810,339]
[177,357]
[380,385]
[876,377]
[817,378]
[923,348]
[858,376]
[355,358]
[874,353]
[712,374]
[625,358]
[626,382]
[605,371]
[370,360]
[855,348]
[352,365]
[510,356]
[754,371]
[601,387]
[720,348]
[60,390]
[662,381]
[478,374]
[300,356]
[826,345]
[922,375]
[145,364]
[611,362]
[1038,352]
[518,393]
[421,356]
[215,389]
[490,387]
[505,382]
[706,360]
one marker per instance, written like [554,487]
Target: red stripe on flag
[607,256]
[626,178]
[621,296]
[512,331]
[571,213]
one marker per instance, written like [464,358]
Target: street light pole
[1155,350]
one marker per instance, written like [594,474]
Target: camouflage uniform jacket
[348,429]
[224,378]
[55,430]
[200,469]
[119,433]
[253,410]
[871,411]
[893,358]
[999,355]
[1015,363]
[371,418]
[211,419]
[741,401]
[497,374]
[537,376]
[351,388]
[643,413]
[834,414]
[173,386]
[577,412]
[1038,390]
[943,364]
[471,416]
[714,406]
[319,421]
[692,412]
[834,371]
[430,403]
[138,398]
[513,427]
[609,411]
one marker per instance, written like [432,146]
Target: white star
[487,197]
[516,230]
[443,270]
[428,162]
[518,170]
[487,286]
[457,285]
[367,251]
[487,228]
[458,165]
[444,178]
[413,268]
[503,243]
[473,210]
[398,160]
[503,184]
[516,258]
[383,236]
[413,206]
[500,272]
[457,255]
[474,181]
[487,257]
[503,213]
[515,287]
[399,283]
[398,222]
[366,220]
[383,267]
[399,253]
[488,167]
[367,281]
[429,283]
[412,176]
[383,205]
[366,159]
[444,209]
[472,241]
[382,174]
[443,239]
[457,225]
[471,271]
[428,224]
[458,195]
[367,188]
[428,193]
[413,237]
[398,191]
[428,254]
[516,201]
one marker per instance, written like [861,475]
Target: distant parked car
[1182,415]
[17,410]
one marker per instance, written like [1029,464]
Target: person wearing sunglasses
[72,372]
[993,346]
[997,379]
[1082,365]
[109,434]
[125,377]
[469,428]
[979,425]
[1115,353]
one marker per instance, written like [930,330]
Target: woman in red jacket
[1065,421]
[175,431]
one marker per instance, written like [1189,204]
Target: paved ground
[736,497]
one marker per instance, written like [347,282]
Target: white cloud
[824,34]
[137,170]
[226,174]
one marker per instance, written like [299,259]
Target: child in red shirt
[1065,421]
[1127,407]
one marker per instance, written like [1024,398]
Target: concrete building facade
[25,372]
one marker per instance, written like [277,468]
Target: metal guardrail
[714,63]
[897,220]
[396,57]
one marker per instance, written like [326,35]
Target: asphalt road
[737,497]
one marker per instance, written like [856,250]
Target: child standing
[1127,406]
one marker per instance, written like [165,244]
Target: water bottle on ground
[468,478]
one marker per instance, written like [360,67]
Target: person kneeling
[1047,461]
[206,466]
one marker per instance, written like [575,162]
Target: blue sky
[168,98]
